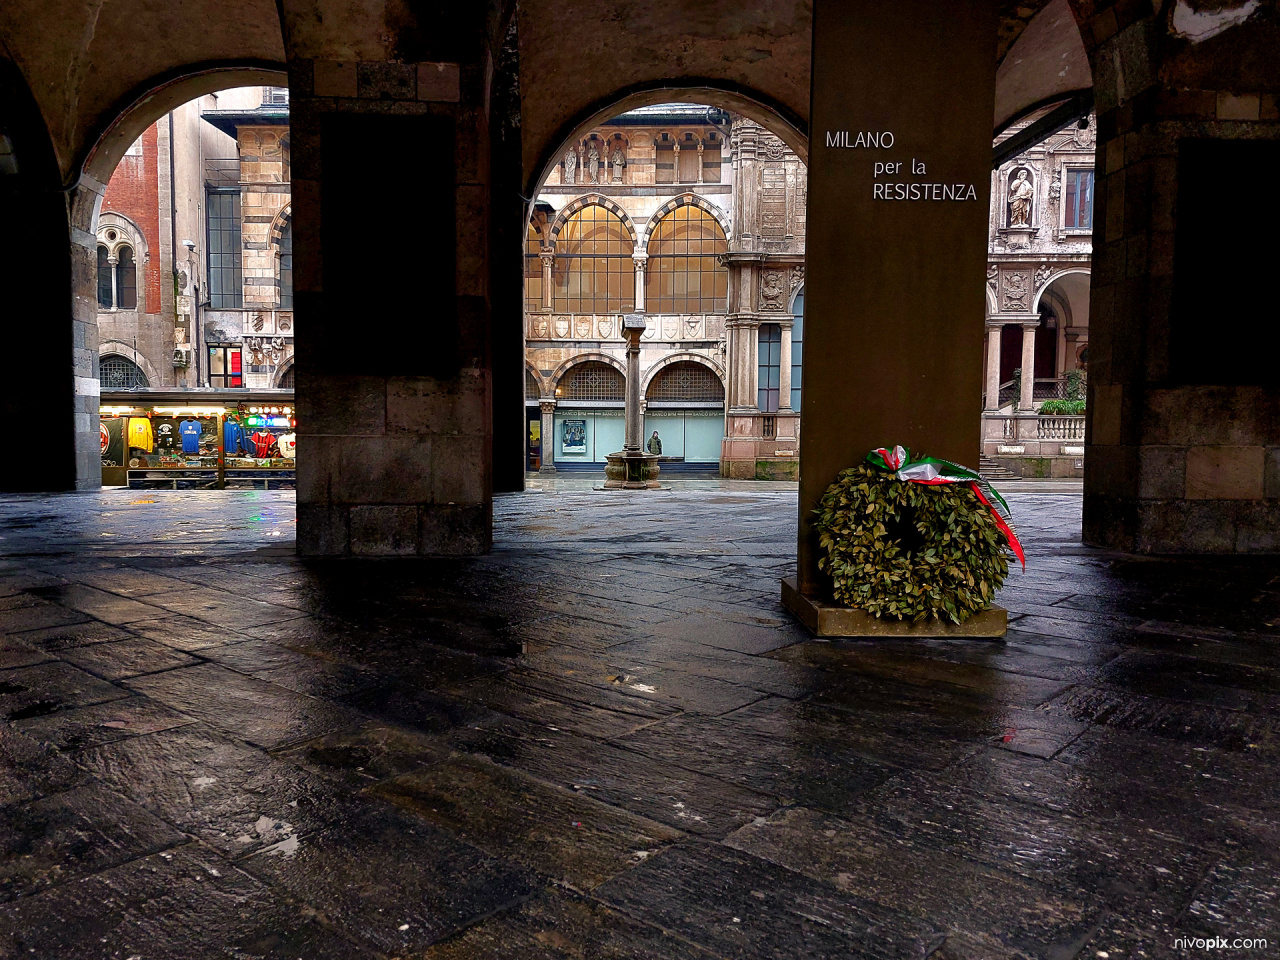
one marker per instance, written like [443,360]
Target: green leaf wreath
[910,551]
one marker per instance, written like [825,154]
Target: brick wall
[134,191]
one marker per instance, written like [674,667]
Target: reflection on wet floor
[608,740]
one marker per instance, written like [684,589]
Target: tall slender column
[1027,400]
[700,149]
[675,163]
[112,262]
[993,366]
[640,259]
[633,327]
[784,370]
[548,261]
[548,408]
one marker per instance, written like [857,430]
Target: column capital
[639,259]
[547,406]
[548,257]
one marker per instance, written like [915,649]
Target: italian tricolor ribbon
[932,471]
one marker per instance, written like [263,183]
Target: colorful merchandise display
[180,447]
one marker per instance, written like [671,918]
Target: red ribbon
[1014,545]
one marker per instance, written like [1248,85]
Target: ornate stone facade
[1038,299]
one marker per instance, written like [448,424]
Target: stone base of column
[548,469]
[630,470]
[828,620]
[394,530]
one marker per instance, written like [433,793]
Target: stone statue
[593,165]
[619,161]
[1020,201]
[570,166]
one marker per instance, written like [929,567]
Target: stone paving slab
[607,739]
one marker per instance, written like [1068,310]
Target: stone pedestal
[631,468]
[829,620]
[626,470]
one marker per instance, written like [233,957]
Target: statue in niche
[571,166]
[1020,193]
[619,160]
[593,164]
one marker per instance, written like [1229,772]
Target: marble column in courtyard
[1026,400]
[640,259]
[784,370]
[548,408]
[548,263]
[632,468]
[994,331]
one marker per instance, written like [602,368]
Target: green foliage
[1075,385]
[907,550]
[1063,408]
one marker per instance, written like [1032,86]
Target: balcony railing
[1045,388]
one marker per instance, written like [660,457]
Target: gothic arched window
[593,271]
[592,380]
[119,373]
[126,280]
[533,269]
[105,298]
[286,267]
[686,381]
[683,273]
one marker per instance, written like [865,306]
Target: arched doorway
[684,406]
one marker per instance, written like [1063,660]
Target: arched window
[683,275]
[533,269]
[286,379]
[286,267]
[594,272]
[126,280]
[116,372]
[592,380]
[105,299]
[531,388]
[797,347]
[686,382]
[770,364]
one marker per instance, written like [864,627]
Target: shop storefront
[585,435]
[689,434]
[206,439]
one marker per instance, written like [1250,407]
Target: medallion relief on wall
[670,328]
[562,327]
[1017,291]
[606,328]
[541,328]
[582,327]
[772,290]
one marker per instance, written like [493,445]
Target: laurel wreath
[909,551]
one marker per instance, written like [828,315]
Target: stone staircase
[994,471]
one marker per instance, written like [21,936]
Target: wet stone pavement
[607,740]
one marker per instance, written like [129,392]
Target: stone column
[675,162]
[548,262]
[548,436]
[700,149]
[1026,400]
[635,421]
[640,259]
[784,370]
[112,262]
[993,366]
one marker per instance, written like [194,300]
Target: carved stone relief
[993,273]
[771,291]
[670,328]
[1016,291]
[582,327]
[571,166]
[606,327]
[797,276]
[1042,274]
[541,328]
[562,327]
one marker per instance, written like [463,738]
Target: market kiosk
[198,439]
